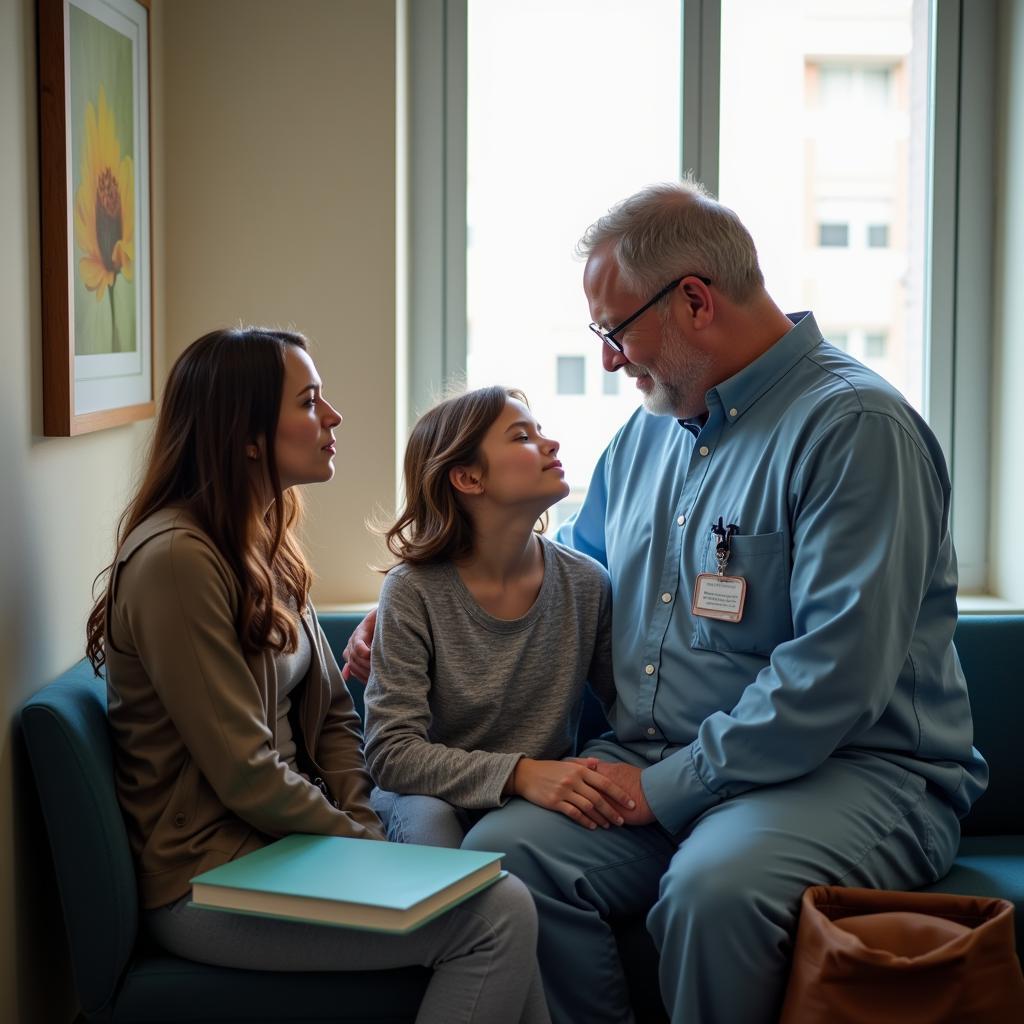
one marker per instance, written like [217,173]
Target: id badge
[719,597]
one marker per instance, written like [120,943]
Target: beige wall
[274,157]
[1007,557]
[59,498]
[280,169]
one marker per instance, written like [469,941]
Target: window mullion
[973,326]
[436,242]
[701,47]
[941,235]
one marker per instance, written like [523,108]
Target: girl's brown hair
[224,394]
[433,526]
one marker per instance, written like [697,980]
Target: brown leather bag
[868,956]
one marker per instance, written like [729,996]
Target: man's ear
[700,304]
[467,479]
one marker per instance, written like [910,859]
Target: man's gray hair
[677,228]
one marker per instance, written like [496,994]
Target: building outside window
[878,236]
[571,374]
[875,344]
[838,211]
[542,164]
[837,235]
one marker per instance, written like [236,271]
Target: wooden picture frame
[97,266]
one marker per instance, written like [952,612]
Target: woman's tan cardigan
[194,718]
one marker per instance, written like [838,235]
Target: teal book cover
[348,882]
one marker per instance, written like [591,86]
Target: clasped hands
[589,791]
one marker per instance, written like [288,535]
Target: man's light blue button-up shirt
[841,496]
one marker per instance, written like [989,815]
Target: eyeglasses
[608,337]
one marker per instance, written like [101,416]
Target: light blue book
[353,883]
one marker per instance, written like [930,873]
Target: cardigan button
[179,820]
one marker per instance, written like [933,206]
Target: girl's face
[521,463]
[304,443]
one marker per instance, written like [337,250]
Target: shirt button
[649,669]
[704,449]
[651,731]
[666,598]
[681,520]
[733,412]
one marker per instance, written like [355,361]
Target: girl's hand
[356,656]
[573,788]
[628,777]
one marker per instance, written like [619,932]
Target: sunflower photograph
[103,179]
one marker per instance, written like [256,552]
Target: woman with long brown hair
[486,633]
[231,723]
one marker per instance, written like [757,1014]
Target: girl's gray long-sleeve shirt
[456,696]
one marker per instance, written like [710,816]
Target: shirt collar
[744,388]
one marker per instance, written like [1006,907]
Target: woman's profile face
[304,443]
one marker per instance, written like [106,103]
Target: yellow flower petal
[106,176]
[95,276]
[109,151]
[126,183]
[123,257]
[91,143]
[85,231]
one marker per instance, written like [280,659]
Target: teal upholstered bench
[991,859]
[119,978]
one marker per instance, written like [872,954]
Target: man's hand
[573,788]
[636,810]
[356,655]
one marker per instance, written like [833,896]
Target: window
[571,370]
[834,235]
[846,76]
[861,83]
[875,344]
[874,121]
[838,338]
[541,165]
[878,236]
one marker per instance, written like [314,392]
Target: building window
[843,86]
[878,236]
[571,371]
[840,339]
[875,344]
[609,383]
[833,235]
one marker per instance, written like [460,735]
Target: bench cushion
[160,989]
[989,866]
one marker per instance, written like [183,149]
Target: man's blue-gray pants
[722,898]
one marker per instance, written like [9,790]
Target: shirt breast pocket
[767,620]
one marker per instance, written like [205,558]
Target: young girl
[231,723]
[486,632]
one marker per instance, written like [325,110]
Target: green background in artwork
[99,54]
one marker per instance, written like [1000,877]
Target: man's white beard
[679,386]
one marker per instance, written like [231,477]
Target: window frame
[960,226]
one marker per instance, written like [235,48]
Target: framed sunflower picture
[95,195]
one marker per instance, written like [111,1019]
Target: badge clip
[715,595]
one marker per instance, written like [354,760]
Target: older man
[790,709]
